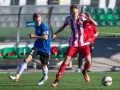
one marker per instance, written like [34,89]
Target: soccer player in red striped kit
[92,34]
[77,44]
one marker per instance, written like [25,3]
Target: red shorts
[84,51]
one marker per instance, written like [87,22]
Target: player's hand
[89,40]
[54,36]
[31,35]
[88,15]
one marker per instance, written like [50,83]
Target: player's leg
[85,51]
[44,61]
[80,62]
[21,68]
[61,70]
[86,67]
[23,65]
[91,51]
[70,52]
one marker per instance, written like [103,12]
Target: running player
[76,43]
[41,47]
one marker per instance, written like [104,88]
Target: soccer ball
[106,80]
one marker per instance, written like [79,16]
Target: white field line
[108,33]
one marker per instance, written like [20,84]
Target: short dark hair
[36,15]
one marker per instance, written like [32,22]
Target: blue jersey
[39,44]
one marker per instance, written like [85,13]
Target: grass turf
[69,81]
[12,32]
[104,31]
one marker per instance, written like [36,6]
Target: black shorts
[44,58]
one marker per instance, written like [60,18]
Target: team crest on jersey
[79,23]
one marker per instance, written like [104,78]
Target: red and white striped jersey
[77,31]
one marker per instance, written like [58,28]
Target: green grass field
[105,31]
[69,81]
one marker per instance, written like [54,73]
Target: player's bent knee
[44,66]
[29,57]
[26,61]
[67,60]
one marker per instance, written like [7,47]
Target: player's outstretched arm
[59,30]
[44,37]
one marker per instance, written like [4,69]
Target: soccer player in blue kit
[41,47]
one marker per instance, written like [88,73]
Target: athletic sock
[61,71]
[21,68]
[86,67]
[45,71]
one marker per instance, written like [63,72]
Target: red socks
[86,67]
[61,71]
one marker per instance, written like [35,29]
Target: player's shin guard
[86,67]
[21,68]
[61,71]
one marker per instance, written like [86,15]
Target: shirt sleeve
[65,23]
[45,29]
[95,32]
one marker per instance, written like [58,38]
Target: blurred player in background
[77,44]
[92,34]
[41,47]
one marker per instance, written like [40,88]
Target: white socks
[21,68]
[45,72]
